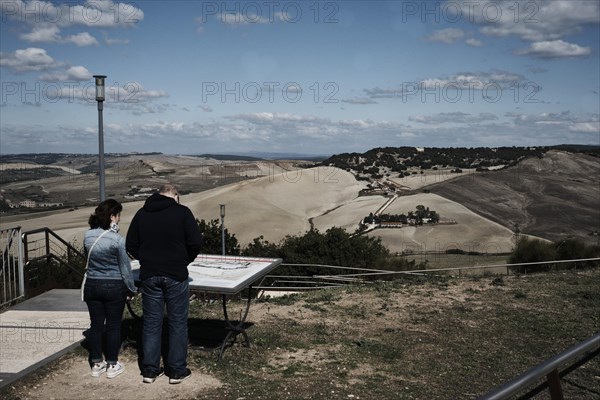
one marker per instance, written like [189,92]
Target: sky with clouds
[306,77]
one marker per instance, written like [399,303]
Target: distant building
[390,224]
[27,204]
[50,204]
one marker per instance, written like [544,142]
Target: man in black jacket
[165,238]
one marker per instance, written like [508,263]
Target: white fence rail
[12,279]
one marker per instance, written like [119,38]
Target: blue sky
[310,77]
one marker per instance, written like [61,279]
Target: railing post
[549,369]
[47,236]
[554,386]
[48,254]
[21,266]
[25,248]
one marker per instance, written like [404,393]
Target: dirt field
[471,232]
[274,205]
[553,197]
[284,204]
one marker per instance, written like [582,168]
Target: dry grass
[415,338]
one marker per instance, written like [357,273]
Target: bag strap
[90,251]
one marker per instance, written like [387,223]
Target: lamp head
[99,87]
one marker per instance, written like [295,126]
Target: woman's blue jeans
[105,299]
[158,291]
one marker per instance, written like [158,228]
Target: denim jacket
[108,259]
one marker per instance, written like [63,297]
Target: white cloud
[51,34]
[474,42]
[278,119]
[466,82]
[558,123]
[533,20]
[134,98]
[359,100]
[453,118]
[82,39]
[448,35]
[30,59]
[111,41]
[79,73]
[269,131]
[47,19]
[239,18]
[105,14]
[518,118]
[54,76]
[293,128]
[41,34]
[586,127]
[555,49]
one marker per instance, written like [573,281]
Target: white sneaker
[114,370]
[98,369]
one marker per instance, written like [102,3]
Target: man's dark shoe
[150,377]
[180,378]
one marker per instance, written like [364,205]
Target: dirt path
[70,379]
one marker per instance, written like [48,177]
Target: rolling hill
[554,197]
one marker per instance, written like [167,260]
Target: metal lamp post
[100,100]
[222,228]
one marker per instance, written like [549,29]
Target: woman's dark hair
[101,216]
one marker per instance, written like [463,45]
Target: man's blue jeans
[156,292]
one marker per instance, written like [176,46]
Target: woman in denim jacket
[108,284]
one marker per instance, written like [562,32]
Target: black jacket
[164,237]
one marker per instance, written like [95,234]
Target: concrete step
[40,330]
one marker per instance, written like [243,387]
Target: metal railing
[368,275]
[312,281]
[550,370]
[50,247]
[12,281]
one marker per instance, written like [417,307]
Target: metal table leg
[234,330]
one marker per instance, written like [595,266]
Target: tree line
[412,217]
[338,247]
[399,159]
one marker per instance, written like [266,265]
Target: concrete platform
[40,330]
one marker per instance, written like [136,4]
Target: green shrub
[529,250]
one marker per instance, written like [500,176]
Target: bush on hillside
[213,241]
[529,250]
[334,247]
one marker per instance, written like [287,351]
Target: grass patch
[414,338]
